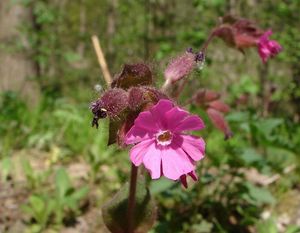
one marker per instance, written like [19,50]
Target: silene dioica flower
[163,144]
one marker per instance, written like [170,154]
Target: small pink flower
[267,48]
[161,144]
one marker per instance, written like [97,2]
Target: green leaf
[72,56]
[6,167]
[260,195]
[27,168]
[202,227]
[79,194]
[266,127]
[37,204]
[62,182]
[115,211]
[35,228]
[114,126]
[159,186]
[293,229]
[72,200]
[250,155]
[267,226]
[238,117]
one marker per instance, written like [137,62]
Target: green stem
[131,198]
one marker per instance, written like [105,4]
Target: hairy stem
[131,198]
[206,43]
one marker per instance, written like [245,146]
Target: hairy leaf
[115,211]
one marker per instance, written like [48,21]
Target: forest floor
[14,193]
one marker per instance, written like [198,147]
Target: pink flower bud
[219,106]
[219,122]
[180,67]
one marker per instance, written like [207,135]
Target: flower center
[164,138]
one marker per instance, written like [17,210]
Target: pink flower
[161,144]
[267,48]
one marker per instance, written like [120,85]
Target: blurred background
[56,170]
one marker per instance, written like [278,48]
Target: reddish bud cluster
[238,33]
[123,102]
[215,109]
[242,33]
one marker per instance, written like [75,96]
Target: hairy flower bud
[209,101]
[141,97]
[180,67]
[203,96]
[219,105]
[133,75]
[219,122]
[112,104]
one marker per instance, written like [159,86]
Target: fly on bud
[129,95]
[112,103]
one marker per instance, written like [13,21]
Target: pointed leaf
[62,182]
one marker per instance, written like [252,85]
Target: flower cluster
[144,116]
[242,33]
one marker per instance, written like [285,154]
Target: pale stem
[101,60]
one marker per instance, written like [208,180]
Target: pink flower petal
[192,122]
[136,134]
[274,47]
[175,163]
[174,116]
[145,120]
[138,152]
[175,160]
[152,161]
[267,48]
[159,111]
[192,146]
